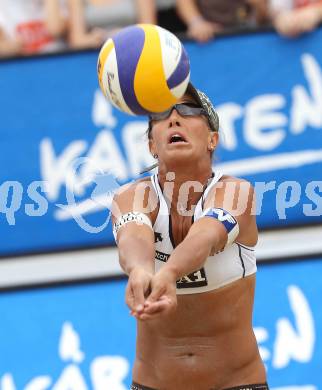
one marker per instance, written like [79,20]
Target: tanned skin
[197,341]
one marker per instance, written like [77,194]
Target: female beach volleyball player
[185,238]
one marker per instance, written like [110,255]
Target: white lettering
[141,201]
[7,382]
[103,157]
[136,146]
[39,383]
[260,117]
[69,344]
[185,279]
[70,379]
[306,110]
[290,344]
[317,199]
[235,201]
[260,189]
[228,114]
[222,217]
[199,277]
[108,372]
[56,171]
[281,197]
[183,197]
[39,200]
[102,111]
[261,335]
[8,207]
[168,190]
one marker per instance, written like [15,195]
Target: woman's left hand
[163,298]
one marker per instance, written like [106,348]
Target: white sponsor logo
[294,342]
[224,216]
[106,372]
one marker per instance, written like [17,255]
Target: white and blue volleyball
[143,69]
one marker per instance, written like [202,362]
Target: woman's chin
[185,156]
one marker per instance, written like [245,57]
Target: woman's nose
[174,118]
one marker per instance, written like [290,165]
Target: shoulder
[234,195]
[232,190]
[136,196]
[237,197]
[135,187]
[232,179]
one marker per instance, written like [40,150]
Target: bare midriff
[208,343]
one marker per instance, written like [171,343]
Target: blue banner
[82,337]
[64,147]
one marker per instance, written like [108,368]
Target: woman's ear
[213,139]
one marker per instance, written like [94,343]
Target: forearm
[56,23]
[136,252]
[189,256]
[77,25]
[146,11]
[188,11]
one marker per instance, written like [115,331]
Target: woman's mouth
[176,138]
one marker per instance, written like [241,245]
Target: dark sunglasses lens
[183,109]
[187,110]
[159,116]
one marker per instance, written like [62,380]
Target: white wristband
[132,216]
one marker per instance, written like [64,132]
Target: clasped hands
[149,295]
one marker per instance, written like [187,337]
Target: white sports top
[235,262]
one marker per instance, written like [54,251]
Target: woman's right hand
[162,299]
[138,288]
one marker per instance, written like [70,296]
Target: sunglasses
[184,109]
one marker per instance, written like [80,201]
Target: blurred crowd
[35,26]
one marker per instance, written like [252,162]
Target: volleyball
[142,69]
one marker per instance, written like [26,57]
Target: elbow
[201,255]
[206,243]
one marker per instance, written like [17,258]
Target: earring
[155,156]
